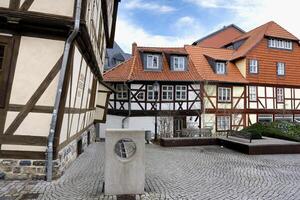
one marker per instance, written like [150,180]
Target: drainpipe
[59,90]
[129,107]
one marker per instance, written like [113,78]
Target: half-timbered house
[51,89]
[227,80]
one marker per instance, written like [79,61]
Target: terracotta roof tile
[221,37]
[197,55]
[253,37]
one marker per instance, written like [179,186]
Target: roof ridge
[132,64]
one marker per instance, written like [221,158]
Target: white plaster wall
[4,3]
[269,92]
[57,7]
[23,148]
[261,91]
[35,124]
[297,93]
[43,54]
[208,120]
[252,118]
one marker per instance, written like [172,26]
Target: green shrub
[279,129]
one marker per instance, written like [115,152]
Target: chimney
[133,48]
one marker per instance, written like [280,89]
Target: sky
[170,23]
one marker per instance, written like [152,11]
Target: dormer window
[280,44]
[152,62]
[178,63]
[220,68]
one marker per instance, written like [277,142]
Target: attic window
[220,68]
[178,63]
[152,62]
[280,44]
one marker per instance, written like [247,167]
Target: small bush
[279,129]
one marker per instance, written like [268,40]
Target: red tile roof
[253,37]
[254,46]
[221,37]
[197,55]
[134,69]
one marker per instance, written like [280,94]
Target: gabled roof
[198,56]
[133,69]
[220,37]
[198,66]
[253,37]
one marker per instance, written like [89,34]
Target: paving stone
[207,172]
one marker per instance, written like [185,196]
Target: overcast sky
[178,22]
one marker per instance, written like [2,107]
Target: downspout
[59,90]
[129,107]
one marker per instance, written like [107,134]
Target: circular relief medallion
[125,148]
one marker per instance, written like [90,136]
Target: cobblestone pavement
[208,172]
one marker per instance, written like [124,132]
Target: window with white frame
[220,68]
[280,44]
[265,118]
[167,92]
[152,61]
[140,96]
[280,95]
[280,117]
[181,92]
[253,66]
[151,93]
[224,94]
[223,123]
[280,69]
[252,93]
[178,63]
[122,92]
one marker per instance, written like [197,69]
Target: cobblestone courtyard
[208,172]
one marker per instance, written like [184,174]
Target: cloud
[144,5]
[185,21]
[249,14]
[127,32]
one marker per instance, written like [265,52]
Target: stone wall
[36,169]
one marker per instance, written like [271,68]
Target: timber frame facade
[33,34]
[230,82]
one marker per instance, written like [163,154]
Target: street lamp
[156,90]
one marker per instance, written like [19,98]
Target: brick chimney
[133,48]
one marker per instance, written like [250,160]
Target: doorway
[88,138]
[79,147]
[179,124]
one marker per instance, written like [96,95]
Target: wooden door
[79,147]
[179,124]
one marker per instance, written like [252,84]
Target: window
[224,94]
[279,117]
[280,69]
[106,61]
[180,92]
[152,62]
[265,118]
[297,118]
[178,63]
[280,44]
[223,123]
[2,48]
[167,92]
[151,93]
[253,66]
[280,95]
[220,68]
[252,93]
[122,92]
[141,96]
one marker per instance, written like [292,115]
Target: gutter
[129,107]
[59,90]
